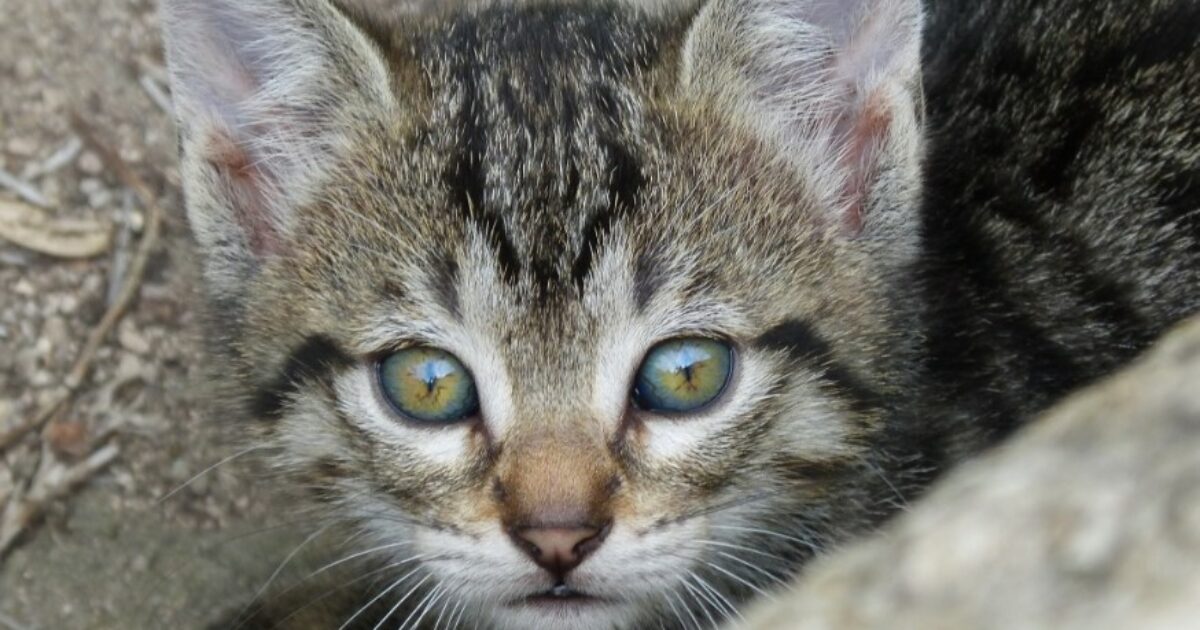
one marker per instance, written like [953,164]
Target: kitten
[603,315]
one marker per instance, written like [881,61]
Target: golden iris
[428,385]
[683,375]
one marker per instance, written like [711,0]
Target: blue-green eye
[428,385]
[683,375]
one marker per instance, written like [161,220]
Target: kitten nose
[559,549]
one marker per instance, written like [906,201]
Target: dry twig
[60,158]
[52,482]
[156,94]
[23,189]
[137,271]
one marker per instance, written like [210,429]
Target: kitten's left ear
[835,85]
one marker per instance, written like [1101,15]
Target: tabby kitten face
[576,311]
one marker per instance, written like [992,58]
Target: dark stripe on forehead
[445,285]
[464,176]
[626,180]
[803,343]
[312,361]
[545,154]
[625,183]
[649,276]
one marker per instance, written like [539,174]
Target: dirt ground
[113,555]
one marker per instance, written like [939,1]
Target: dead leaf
[32,228]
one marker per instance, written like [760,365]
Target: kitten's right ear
[264,92]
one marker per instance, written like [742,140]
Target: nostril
[560,549]
[585,547]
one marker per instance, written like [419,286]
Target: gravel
[113,556]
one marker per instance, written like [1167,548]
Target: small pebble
[132,339]
[136,221]
[100,199]
[90,163]
[43,347]
[22,147]
[26,68]
[132,155]
[6,480]
[53,99]
[41,378]
[23,287]
[129,367]
[90,185]
[68,305]
[55,331]
[179,470]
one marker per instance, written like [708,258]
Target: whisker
[710,509]
[341,587]
[902,502]
[718,543]
[687,609]
[211,468]
[754,530]
[431,597]
[670,602]
[365,552]
[279,569]
[462,610]
[739,580]
[771,577]
[391,611]
[721,601]
[383,593]
[437,624]
[700,601]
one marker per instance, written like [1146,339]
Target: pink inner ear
[245,183]
[865,136]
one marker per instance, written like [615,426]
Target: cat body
[1061,225]
[907,246]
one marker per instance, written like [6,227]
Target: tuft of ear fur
[264,91]
[835,85]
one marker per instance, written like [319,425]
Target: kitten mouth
[559,596]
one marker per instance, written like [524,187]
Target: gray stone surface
[1090,518]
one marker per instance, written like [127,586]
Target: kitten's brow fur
[910,258]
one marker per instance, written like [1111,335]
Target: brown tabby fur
[907,265]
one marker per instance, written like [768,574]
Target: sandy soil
[114,556]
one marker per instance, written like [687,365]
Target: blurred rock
[8,413]
[55,332]
[1088,519]
[131,338]
[23,287]
[22,147]
[90,163]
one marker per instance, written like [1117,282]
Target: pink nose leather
[559,549]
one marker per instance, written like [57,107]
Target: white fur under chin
[583,617]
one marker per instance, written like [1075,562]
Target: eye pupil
[428,385]
[683,375]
